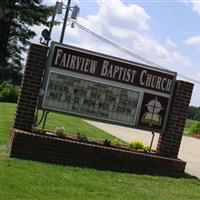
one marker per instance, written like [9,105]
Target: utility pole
[52,23]
[65,21]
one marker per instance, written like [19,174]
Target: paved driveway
[189,150]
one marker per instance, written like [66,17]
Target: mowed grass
[74,125]
[7,111]
[22,180]
[28,180]
[192,127]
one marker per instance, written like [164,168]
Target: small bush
[147,148]
[117,142]
[9,93]
[107,143]
[82,137]
[60,131]
[137,144]
[195,128]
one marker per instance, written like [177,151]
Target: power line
[130,53]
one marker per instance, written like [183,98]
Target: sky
[165,32]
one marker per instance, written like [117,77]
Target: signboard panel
[110,69]
[73,95]
[102,87]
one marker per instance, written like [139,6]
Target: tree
[194,113]
[16,18]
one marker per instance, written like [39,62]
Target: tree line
[16,19]
[194,113]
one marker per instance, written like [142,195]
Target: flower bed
[49,148]
[106,143]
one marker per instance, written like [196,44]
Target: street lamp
[75,12]
[58,10]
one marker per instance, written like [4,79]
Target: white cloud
[180,58]
[121,33]
[127,26]
[193,41]
[169,43]
[151,49]
[148,47]
[195,4]
[117,14]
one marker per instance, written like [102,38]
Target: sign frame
[142,91]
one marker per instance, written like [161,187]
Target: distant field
[28,180]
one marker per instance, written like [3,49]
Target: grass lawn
[28,180]
[74,125]
[192,127]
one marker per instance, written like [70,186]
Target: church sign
[97,86]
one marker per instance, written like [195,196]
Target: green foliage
[16,19]
[195,128]
[117,142]
[147,148]
[107,143]
[74,125]
[137,144]
[192,127]
[60,131]
[194,113]
[7,74]
[82,137]
[9,92]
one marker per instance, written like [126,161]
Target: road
[189,150]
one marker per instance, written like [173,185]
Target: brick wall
[169,142]
[43,148]
[30,86]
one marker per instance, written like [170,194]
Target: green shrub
[147,148]
[60,131]
[137,144]
[195,128]
[107,143]
[117,142]
[82,137]
[9,92]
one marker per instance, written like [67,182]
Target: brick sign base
[43,148]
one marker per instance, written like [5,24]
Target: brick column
[169,142]
[30,86]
